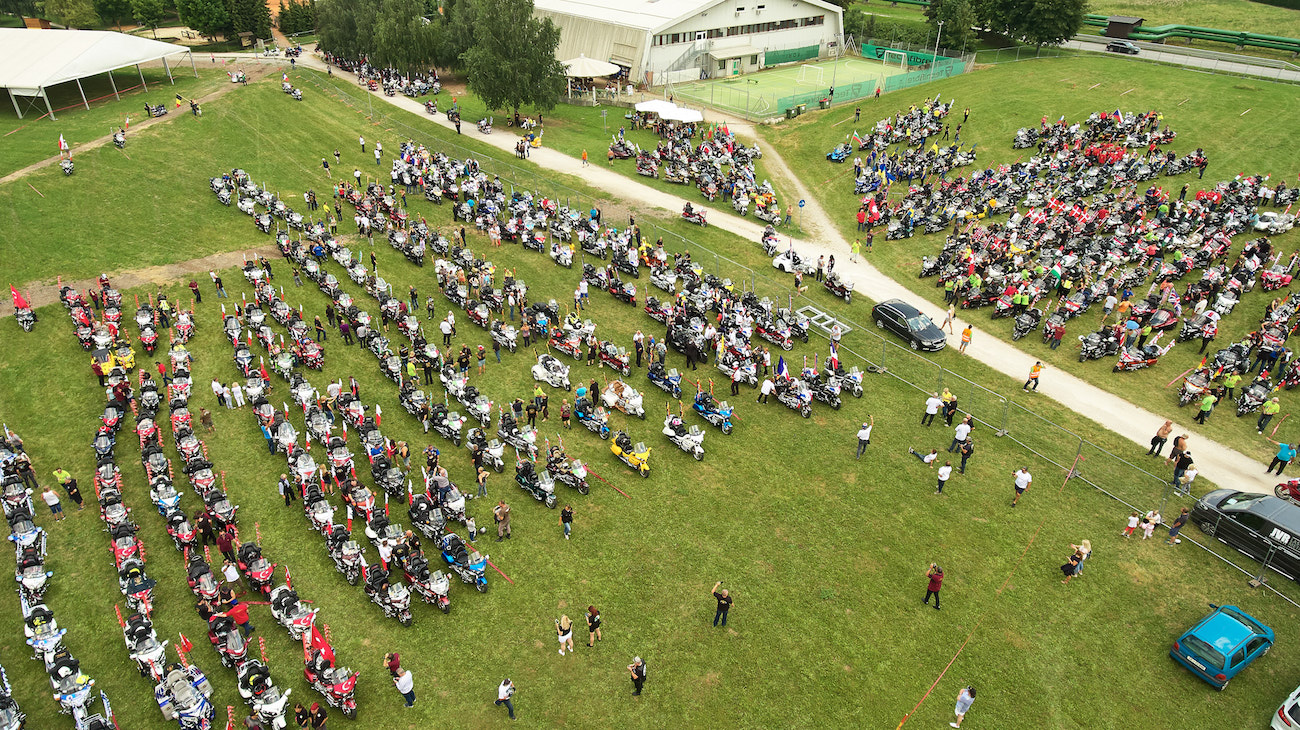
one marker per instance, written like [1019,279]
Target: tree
[261,19]
[21,8]
[1050,22]
[73,13]
[346,27]
[957,17]
[113,11]
[148,13]
[455,33]
[208,17]
[512,62]
[403,38]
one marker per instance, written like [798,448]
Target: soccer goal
[811,76]
[895,58]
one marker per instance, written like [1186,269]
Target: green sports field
[759,94]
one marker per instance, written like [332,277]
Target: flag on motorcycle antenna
[781,371]
[63,145]
[185,644]
[833,362]
[318,641]
[19,301]
[857,140]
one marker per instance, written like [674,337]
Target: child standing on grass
[1149,522]
[1133,521]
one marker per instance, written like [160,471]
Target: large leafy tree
[512,62]
[957,17]
[148,13]
[455,32]
[113,11]
[73,13]
[1050,22]
[25,8]
[346,27]
[208,17]
[404,38]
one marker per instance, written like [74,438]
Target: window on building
[753,60]
[722,65]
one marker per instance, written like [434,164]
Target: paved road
[1152,52]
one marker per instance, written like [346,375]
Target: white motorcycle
[690,440]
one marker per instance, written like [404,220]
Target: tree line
[209,18]
[507,55]
[1036,22]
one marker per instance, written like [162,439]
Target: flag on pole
[857,140]
[19,301]
[317,641]
[781,371]
[63,144]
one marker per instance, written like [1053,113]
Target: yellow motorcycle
[637,457]
[125,357]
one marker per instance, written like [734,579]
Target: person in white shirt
[932,406]
[959,434]
[238,393]
[864,434]
[927,459]
[504,693]
[766,389]
[945,472]
[405,683]
[1023,480]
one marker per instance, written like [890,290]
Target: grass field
[1207,111]
[31,138]
[1228,14]
[818,606]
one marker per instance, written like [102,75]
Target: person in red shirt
[935,575]
[238,613]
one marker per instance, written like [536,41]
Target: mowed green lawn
[1244,15]
[826,555]
[1221,115]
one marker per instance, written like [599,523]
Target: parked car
[1288,715]
[908,322]
[1123,47]
[1255,524]
[1222,644]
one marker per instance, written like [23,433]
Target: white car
[790,261]
[1287,716]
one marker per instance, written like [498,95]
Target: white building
[660,41]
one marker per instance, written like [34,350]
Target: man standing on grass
[1177,527]
[935,576]
[504,692]
[637,670]
[725,602]
[932,406]
[864,435]
[1023,481]
[945,472]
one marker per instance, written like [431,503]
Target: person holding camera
[637,670]
[505,691]
[724,603]
[935,575]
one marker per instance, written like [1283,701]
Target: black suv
[1254,524]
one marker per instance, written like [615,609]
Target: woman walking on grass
[593,626]
[564,630]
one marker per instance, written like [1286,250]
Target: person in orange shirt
[965,339]
[1033,375]
[584,158]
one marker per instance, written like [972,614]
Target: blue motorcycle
[595,419]
[669,381]
[470,566]
[840,153]
[716,413]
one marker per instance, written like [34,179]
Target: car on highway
[1118,46]
[1222,644]
[1261,526]
[908,322]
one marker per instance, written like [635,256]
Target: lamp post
[935,58]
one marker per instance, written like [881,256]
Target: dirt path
[256,73]
[42,293]
[1217,462]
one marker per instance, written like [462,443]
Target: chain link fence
[1046,444]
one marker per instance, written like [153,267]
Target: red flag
[185,644]
[19,302]
[318,641]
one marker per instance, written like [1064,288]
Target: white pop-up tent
[33,59]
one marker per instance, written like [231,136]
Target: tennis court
[770,92]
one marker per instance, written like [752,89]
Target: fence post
[1006,405]
[1263,565]
[1164,497]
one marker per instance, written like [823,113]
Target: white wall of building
[756,23]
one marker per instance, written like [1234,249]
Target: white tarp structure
[33,59]
[681,114]
[655,106]
[588,68]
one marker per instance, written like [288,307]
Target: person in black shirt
[724,603]
[637,670]
[593,626]
[566,520]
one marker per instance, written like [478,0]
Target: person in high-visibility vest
[1267,411]
[965,339]
[1034,372]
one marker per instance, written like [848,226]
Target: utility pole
[935,58]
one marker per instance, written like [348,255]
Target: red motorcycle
[259,571]
[337,684]
[1289,490]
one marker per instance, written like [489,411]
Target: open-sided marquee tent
[33,59]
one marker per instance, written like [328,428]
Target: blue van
[1222,644]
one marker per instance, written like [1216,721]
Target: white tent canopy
[678,114]
[655,106]
[588,68]
[32,59]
